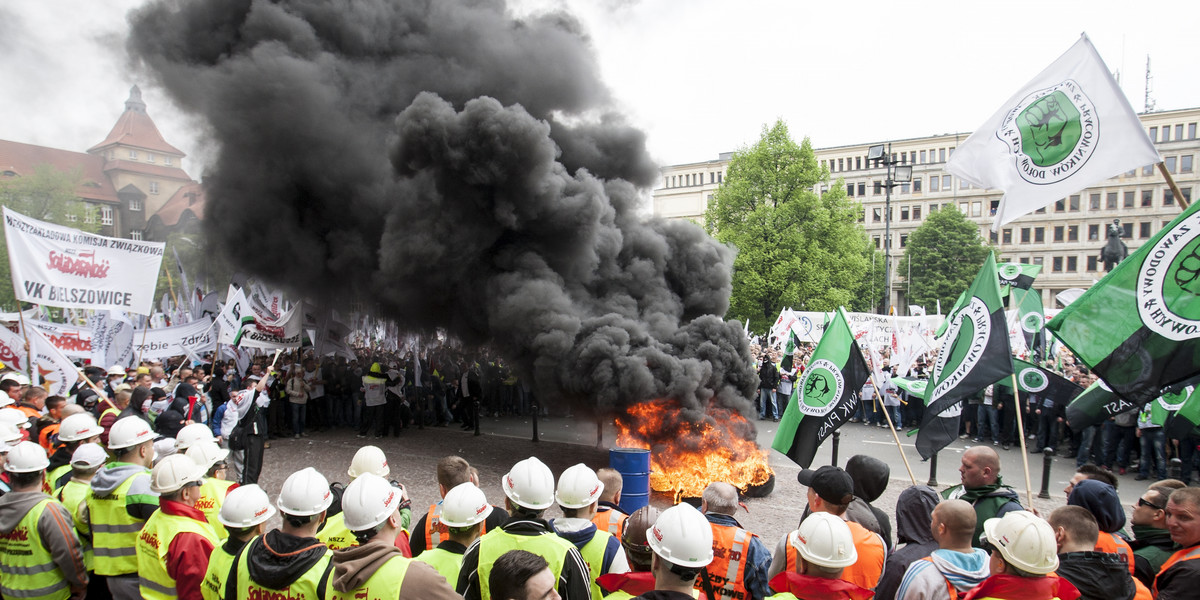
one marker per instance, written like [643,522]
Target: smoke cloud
[458,168]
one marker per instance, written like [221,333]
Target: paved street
[566,441]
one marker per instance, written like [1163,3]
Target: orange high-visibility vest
[871,554]
[1113,544]
[610,520]
[1185,554]
[727,572]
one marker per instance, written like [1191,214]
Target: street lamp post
[896,175]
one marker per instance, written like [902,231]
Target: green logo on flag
[1009,271]
[952,367]
[1033,380]
[822,385]
[1032,322]
[918,386]
[1052,133]
[1168,283]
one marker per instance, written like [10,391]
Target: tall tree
[945,252]
[46,194]
[796,247]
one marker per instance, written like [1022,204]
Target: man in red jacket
[176,541]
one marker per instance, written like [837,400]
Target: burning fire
[686,456]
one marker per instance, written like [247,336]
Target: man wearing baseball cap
[830,490]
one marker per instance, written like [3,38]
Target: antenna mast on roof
[1149,87]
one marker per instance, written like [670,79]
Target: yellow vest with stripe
[114,532]
[443,561]
[28,571]
[219,563]
[72,495]
[53,476]
[154,542]
[335,534]
[384,584]
[548,546]
[212,495]
[593,555]
[303,588]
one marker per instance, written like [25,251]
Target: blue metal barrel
[634,466]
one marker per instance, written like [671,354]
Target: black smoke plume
[460,168]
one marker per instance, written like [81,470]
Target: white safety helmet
[164,447]
[368,501]
[78,427]
[6,400]
[115,370]
[172,473]
[207,453]
[578,487]
[9,434]
[14,417]
[1024,540]
[682,536]
[246,506]
[825,540]
[192,433]
[128,432]
[465,505]
[27,457]
[89,456]
[304,493]
[529,484]
[369,459]
[17,376]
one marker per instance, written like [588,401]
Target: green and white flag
[1068,128]
[915,387]
[1186,420]
[1016,275]
[1095,405]
[1032,379]
[975,353]
[1031,320]
[826,396]
[1139,327]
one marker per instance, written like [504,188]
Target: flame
[687,454]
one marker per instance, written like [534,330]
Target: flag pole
[1183,202]
[1021,433]
[895,437]
[29,358]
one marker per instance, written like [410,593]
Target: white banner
[51,369]
[234,317]
[112,340]
[73,341]
[60,266]
[867,327]
[282,334]
[198,336]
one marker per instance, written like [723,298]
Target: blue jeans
[987,417]
[1154,442]
[298,413]
[1086,437]
[781,402]
[766,404]
[1118,442]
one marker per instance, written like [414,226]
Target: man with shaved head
[982,488]
[955,563]
[1179,576]
[740,560]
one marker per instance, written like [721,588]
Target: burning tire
[761,490]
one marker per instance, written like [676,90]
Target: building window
[1147,198]
[106,215]
[153,187]
[1039,235]
[850,189]
[135,204]
[167,160]
[1060,233]
[857,163]
[1166,137]
[136,234]
[1187,194]
[916,185]
[1093,233]
[841,164]
[923,152]
[1179,132]
[903,240]
[720,176]
[1023,260]
[904,187]
[1057,263]
[1127,230]
[1072,264]
[1038,260]
[1073,233]
[878,187]
[877,242]
[862,189]
[1091,263]
[903,213]
[1154,134]
[133,155]
[941,155]
[1144,229]
[1110,201]
[149,157]
[1073,204]
[1147,170]
[71,218]
[89,214]
[1060,205]
[917,212]
[947,184]
[977,209]
[1094,202]
[1129,196]
[1191,131]
[933,183]
[993,237]
[1185,163]
[1041,211]
[877,214]
[1168,197]
[1024,235]
[1170,163]
[1007,236]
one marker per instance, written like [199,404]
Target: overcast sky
[699,76]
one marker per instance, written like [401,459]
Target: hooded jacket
[580,532]
[993,500]
[171,420]
[278,559]
[140,501]
[914,512]
[1097,575]
[352,567]
[1101,500]
[54,528]
[928,578]
[871,477]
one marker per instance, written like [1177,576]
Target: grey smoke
[459,169]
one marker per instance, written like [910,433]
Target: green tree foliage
[205,267]
[46,194]
[946,252]
[795,247]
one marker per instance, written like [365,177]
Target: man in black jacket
[1094,574]
[768,381]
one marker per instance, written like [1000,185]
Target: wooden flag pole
[896,437]
[29,358]
[1021,432]
[1183,202]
